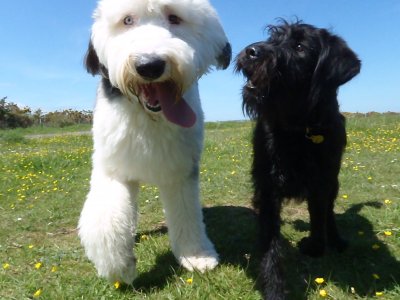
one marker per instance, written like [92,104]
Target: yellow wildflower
[189,280]
[345,196]
[6,266]
[30,246]
[53,269]
[144,237]
[379,294]
[323,293]
[37,293]
[38,265]
[319,280]
[387,202]
[388,233]
[117,284]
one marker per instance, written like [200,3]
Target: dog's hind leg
[189,241]
[107,227]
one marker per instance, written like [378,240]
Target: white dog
[148,126]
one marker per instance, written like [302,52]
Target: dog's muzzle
[257,62]
[158,95]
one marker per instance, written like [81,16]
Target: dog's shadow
[233,231]
[366,267]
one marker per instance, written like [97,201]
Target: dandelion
[323,293]
[369,178]
[53,269]
[233,172]
[30,246]
[37,293]
[117,284]
[38,265]
[189,280]
[388,202]
[375,276]
[387,233]
[319,280]
[345,196]
[379,294]
[6,266]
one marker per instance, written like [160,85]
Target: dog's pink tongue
[175,110]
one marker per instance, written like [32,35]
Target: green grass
[43,183]
[35,130]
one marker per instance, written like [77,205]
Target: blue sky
[43,44]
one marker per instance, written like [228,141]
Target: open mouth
[166,97]
[151,95]
[152,107]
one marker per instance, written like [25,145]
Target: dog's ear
[92,62]
[224,58]
[337,64]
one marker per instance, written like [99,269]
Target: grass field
[43,183]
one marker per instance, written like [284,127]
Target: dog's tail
[271,274]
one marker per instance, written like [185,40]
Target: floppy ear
[337,64]
[92,62]
[225,56]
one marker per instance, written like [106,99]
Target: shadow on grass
[156,278]
[164,268]
[233,230]
[354,269]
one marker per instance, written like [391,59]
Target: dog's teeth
[153,108]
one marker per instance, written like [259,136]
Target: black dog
[299,136]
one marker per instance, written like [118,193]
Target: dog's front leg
[107,227]
[186,229]
[314,245]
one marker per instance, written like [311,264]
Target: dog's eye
[299,48]
[128,20]
[174,20]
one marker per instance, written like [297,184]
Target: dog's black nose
[150,67]
[253,52]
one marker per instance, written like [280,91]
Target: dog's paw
[310,247]
[128,274]
[123,273]
[200,263]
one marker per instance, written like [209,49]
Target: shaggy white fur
[148,126]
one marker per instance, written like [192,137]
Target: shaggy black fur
[299,137]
